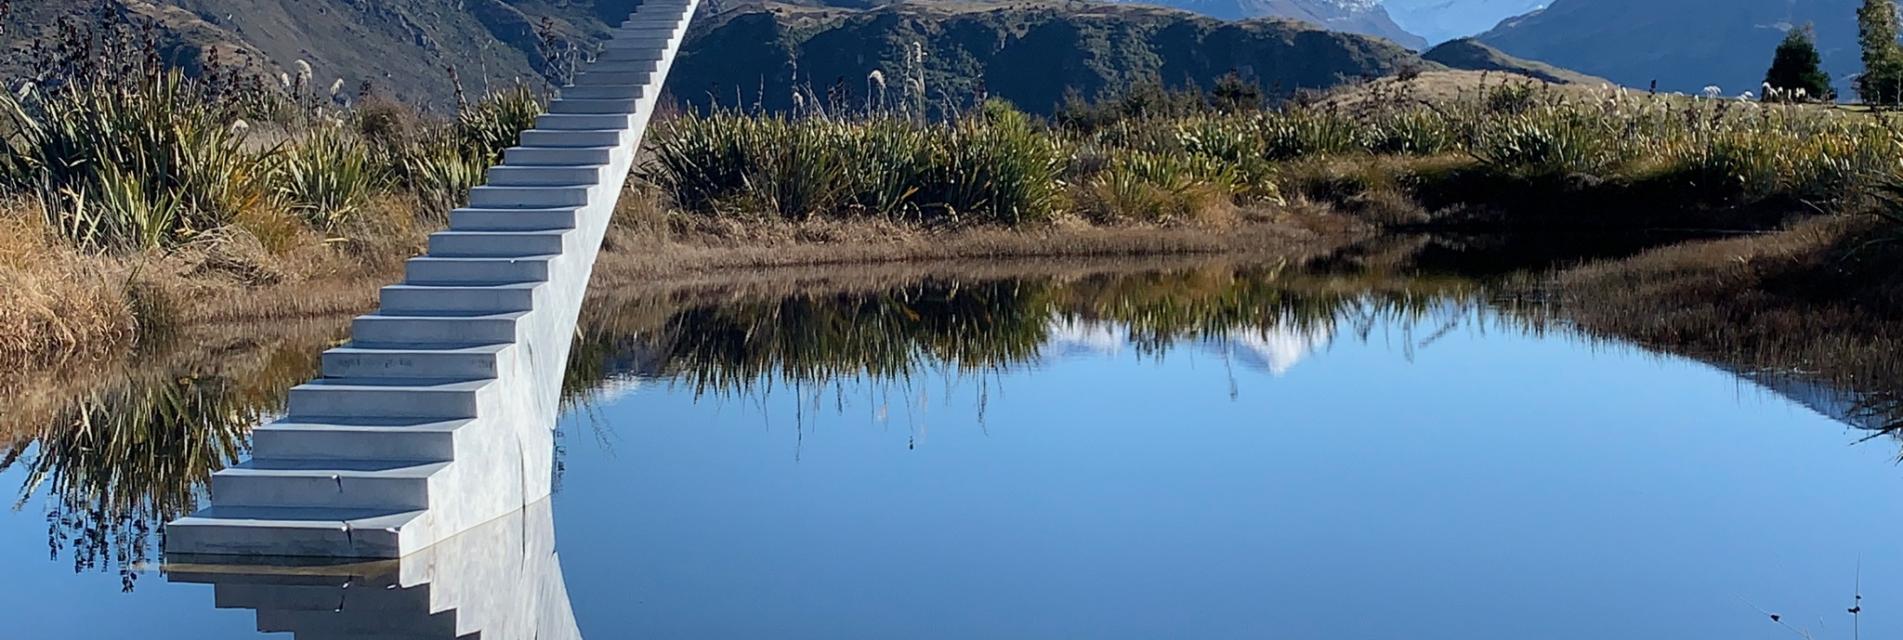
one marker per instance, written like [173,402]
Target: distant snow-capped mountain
[1442,20]
[1366,17]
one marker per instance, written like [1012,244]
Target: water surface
[1219,452]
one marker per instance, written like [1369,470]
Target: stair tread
[363,347]
[446,315]
[324,518]
[388,384]
[460,286]
[535,257]
[367,425]
[502,233]
[328,467]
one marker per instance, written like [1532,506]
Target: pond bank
[1818,297]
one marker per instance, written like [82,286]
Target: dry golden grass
[55,303]
[1821,297]
[654,244]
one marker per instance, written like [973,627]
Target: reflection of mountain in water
[1860,410]
[1274,350]
[499,581]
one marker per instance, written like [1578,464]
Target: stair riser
[642,39]
[354,445]
[558,156]
[505,220]
[457,244]
[549,138]
[581,122]
[618,66]
[414,301]
[587,78]
[432,330]
[466,366]
[483,271]
[628,55]
[381,403]
[581,106]
[280,541]
[298,491]
[321,624]
[527,198]
[525,176]
[286,597]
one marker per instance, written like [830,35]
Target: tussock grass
[135,194]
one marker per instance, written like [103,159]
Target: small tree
[1882,79]
[1232,94]
[1796,70]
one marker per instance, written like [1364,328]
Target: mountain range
[1032,52]
[1684,45]
[1443,20]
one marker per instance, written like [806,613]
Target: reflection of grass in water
[120,460]
[812,340]
[888,335]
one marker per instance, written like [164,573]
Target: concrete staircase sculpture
[499,581]
[438,416]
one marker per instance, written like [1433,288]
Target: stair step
[386,398]
[426,299]
[358,438]
[343,484]
[545,176]
[609,106]
[470,219]
[642,38]
[477,270]
[559,156]
[437,327]
[382,360]
[587,122]
[289,531]
[605,92]
[348,596]
[609,137]
[528,197]
[498,244]
[630,55]
[335,624]
[592,77]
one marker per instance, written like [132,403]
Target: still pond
[1219,452]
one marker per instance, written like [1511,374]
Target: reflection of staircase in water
[499,581]
[437,417]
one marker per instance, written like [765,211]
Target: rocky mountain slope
[1029,52]
[1683,44]
[1366,17]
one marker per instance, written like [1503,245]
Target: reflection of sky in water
[1379,478]
[1406,480]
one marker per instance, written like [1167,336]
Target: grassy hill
[1474,55]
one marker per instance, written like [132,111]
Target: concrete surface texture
[438,416]
[499,581]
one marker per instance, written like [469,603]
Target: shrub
[326,176]
[496,122]
[139,161]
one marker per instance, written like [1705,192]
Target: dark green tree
[1232,94]
[1882,79]
[1797,71]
